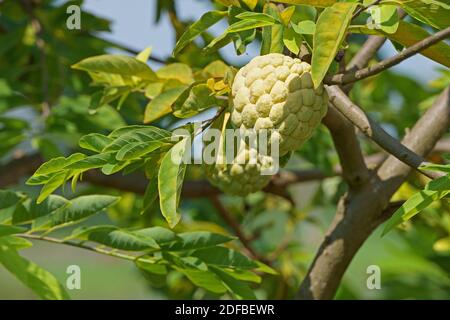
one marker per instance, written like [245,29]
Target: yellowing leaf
[442,245]
[435,13]
[162,104]
[314,3]
[251,3]
[228,3]
[331,28]
[117,64]
[286,15]
[272,36]
[408,34]
[144,55]
[178,71]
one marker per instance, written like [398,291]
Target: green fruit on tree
[241,176]
[275,91]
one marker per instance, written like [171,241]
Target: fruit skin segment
[275,91]
[242,176]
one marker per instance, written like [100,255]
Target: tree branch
[12,173]
[346,78]
[354,169]
[361,212]
[236,227]
[373,130]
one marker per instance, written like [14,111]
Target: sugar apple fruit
[275,91]
[241,176]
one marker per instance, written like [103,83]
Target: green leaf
[265,268]
[204,279]
[127,135]
[228,3]
[8,198]
[292,40]
[238,289]
[93,162]
[272,36]
[246,15]
[151,267]
[434,190]
[242,275]
[331,28]
[408,34]
[224,257]
[144,55]
[94,142]
[385,17]
[436,167]
[136,150]
[207,20]
[31,210]
[248,25]
[314,3]
[216,69]
[193,100]
[197,240]
[151,194]
[177,71]
[305,27]
[119,239]
[43,283]
[170,180]
[9,230]
[432,12]
[162,104]
[16,242]
[54,165]
[80,208]
[51,185]
[217,43]
[161,235]
[117,64]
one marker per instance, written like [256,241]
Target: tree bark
[362,210]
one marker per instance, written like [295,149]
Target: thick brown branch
[346,78]
[361,212]
[354,169]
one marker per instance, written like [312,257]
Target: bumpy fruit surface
[241,176]
[276,92]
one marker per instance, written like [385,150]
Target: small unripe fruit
[243,176]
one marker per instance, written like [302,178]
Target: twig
[78,245]
[236,227]
[346,78]
[364,8]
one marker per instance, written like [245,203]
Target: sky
[133,26]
